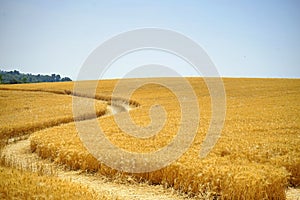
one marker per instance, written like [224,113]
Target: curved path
[18,154]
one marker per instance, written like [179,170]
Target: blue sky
[243,38]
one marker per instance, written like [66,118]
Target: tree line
[15,77]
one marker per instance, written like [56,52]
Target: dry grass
[28,108]
[15,184]
[23,112]
[257,156]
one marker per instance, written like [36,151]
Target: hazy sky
[243,38]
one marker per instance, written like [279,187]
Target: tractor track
[17,154]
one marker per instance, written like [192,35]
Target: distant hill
[14,77]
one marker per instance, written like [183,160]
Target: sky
[242,38]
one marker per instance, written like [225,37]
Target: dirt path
[293,194]
[18,155]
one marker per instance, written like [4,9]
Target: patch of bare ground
[293,193]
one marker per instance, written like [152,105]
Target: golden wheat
[15,184]
[257,156]
[23,112]
[258,148]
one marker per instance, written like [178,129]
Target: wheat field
[256,157]
[24,112]
[17,184]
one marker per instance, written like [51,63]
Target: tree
[16,72]
[14,81]
[66,79]
[57,77]
[24,80]
[52,77]
[15,76]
